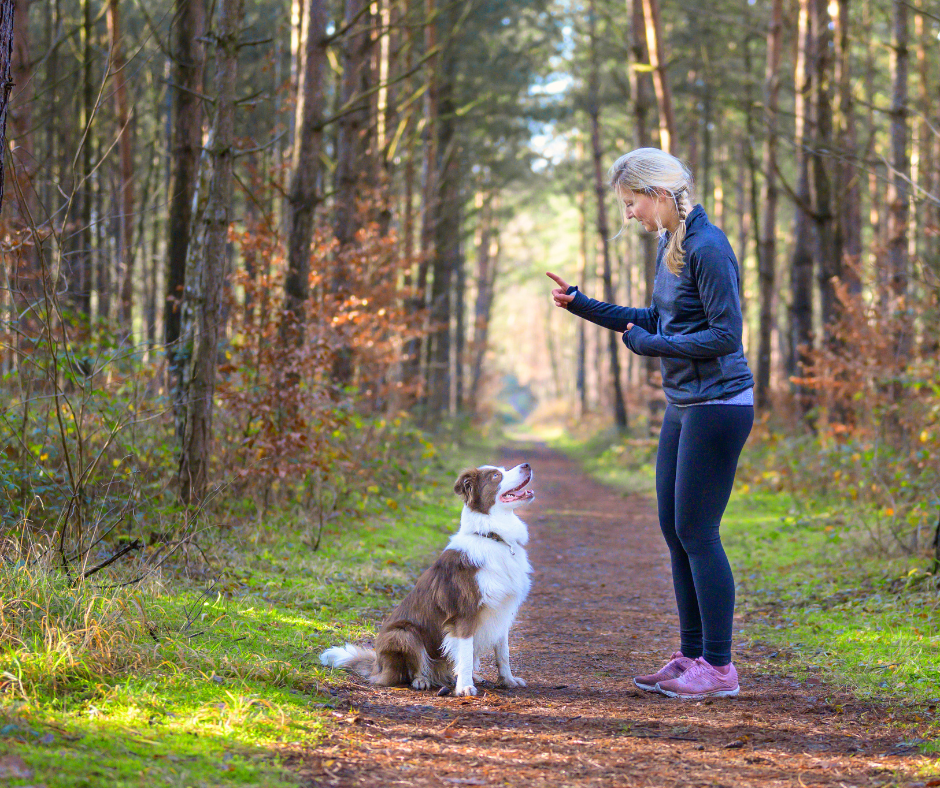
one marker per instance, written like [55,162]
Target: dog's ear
[466,483]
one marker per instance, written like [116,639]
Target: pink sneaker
[700,681]
[676,666]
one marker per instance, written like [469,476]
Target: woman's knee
[696,536]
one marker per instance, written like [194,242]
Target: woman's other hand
[560,292]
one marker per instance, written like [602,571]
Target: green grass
[193,683]
[812,584]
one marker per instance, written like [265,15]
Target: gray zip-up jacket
[694,321]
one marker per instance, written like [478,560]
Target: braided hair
[657,173]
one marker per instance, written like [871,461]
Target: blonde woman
[694,325]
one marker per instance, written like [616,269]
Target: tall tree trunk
[801,273]
[303,196]
[848,176]
[7,23]
[352,125]
[600,190]
[188,61]
[206,263]
[20,134]
[829,257]
[429,184]
[446,235]
[351,160]
[642,89]
[767,248]
[125,235]
[487,266]
[413,300]
[83,256]
[898,195]
[654,43]
[581,325]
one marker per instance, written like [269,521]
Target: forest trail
[601,611]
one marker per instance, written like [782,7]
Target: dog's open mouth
[518,493]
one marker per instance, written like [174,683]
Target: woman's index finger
[557,279]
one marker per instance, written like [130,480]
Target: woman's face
[644,208]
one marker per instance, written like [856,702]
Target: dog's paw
[421,683]
[511,681]
[468,690]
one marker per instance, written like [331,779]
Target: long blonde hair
[654,172]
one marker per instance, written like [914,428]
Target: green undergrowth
[207,681]
[814,588]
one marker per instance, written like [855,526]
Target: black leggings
[698,455]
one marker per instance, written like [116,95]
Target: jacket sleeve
[610,315]
[716,277]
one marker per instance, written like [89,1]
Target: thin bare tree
[603,230]
[206,263]
[654,43]
[304,197]
[186,73]
[767,247]
[125,218]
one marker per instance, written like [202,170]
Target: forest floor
[601,611]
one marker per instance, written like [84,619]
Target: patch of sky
[549,146]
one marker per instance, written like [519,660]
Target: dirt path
[601,611]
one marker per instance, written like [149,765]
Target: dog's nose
[525,466]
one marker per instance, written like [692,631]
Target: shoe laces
[699,665]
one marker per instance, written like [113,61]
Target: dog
[465,603]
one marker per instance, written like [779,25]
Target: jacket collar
[696,220]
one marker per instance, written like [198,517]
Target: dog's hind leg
[419,668]
[501,651]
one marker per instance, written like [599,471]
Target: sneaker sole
[732,693]
[647,687]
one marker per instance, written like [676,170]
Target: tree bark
[801,274]
[487,267]
[898,195]
[642,89]
[206,263]
[6,81]
[83,255]
[767,248]
[848,225]
[126,188]
[828,255]
[600,190]
[303,196]
[188,62]
[446,234]
[353,125]
[351,159]
[654,43]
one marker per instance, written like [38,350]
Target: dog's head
[487,488]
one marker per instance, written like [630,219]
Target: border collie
[465,603]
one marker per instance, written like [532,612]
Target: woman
[694,325]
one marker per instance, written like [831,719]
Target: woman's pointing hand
[560,292]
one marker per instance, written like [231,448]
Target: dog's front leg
[501,650]
[460,651]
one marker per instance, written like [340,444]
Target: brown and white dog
[465,603]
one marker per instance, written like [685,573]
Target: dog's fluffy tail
[350,657]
